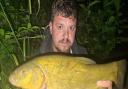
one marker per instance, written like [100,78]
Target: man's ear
[50,27]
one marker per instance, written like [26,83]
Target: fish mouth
[12,80]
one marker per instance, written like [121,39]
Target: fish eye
[23,72]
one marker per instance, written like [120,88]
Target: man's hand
[106,84]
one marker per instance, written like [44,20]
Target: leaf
[93,3]
[35,27]
[21,29]
[85,10]
[111,19]
[29,26]
[30,7]
[1,14]
[117,4]
[15,59]
[107,3]
[2,32]
[8,35]
[38,7]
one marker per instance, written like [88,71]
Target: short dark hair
[65,8]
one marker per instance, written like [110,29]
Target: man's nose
[66,34]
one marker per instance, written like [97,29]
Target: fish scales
[64,72]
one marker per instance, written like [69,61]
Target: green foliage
[19,34]
[7,65]
[98,27]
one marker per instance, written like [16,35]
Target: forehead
[62,19]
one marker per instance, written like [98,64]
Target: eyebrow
[59,24]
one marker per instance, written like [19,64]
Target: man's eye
[59,27]
[72,28]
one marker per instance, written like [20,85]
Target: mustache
[65,41]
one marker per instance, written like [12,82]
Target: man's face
[63,33]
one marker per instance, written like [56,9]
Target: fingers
[106,84]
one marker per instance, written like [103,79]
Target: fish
[65,72]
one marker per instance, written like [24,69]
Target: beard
[64,46]
[65,50]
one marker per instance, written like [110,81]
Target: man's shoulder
[45,45]
[78,49]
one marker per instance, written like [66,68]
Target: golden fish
[65,72]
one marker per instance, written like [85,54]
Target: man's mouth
[65,41]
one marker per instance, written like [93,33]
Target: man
[62,32]
[62,29]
